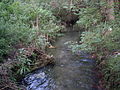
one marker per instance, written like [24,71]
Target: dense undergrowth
[101,38]
[27,26]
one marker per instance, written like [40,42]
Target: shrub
[26,23]
[24,63]
[89,17]
[112,73]
[102,38]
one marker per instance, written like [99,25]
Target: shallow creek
[70,72]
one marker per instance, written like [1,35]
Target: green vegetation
[111,73]
[24,66]
[102,38]
[27,25]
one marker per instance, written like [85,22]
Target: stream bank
[70,72]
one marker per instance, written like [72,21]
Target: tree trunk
[110,10]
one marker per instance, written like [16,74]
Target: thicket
[25,25]
[101,38]
[32,24]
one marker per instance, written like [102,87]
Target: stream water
[70,72]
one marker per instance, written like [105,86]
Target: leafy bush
[27,23]
[89,17]
[112,73]
[24,65]
[103,39]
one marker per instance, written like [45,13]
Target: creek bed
[70,72]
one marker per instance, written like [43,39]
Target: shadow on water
[71,71]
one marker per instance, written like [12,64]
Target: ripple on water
[71,72]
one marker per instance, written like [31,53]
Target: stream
[70,72]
